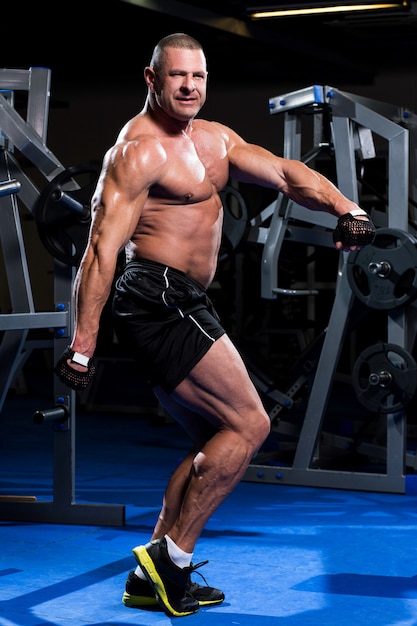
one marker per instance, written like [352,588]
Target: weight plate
[383,274]
[63,212]
[235,222]
[384,378]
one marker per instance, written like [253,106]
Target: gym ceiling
[91,40]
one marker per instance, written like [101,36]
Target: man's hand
[75,378]
[352,233]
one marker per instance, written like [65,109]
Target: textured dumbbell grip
[70,376]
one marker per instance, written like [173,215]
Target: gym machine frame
[29,137]
[350,115]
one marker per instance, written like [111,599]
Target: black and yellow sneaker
[171,585]
[138,593]
[206,596]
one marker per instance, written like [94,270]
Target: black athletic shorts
[165,319]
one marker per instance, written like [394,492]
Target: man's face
[180,88]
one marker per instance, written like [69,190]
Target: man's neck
[170,124]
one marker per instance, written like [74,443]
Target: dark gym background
[285,555]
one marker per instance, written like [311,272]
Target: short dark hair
[176,40]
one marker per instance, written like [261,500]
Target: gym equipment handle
[9,187]
[70,203]
[58,413]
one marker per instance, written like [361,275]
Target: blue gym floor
[287,556]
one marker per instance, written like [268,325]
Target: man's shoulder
[138,138]
[136,154]
[139,129]
[209,125]
[213,128]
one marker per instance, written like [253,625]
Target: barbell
[235,222]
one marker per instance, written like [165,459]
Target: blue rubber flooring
[284,555]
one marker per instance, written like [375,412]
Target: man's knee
[263,427]
[257,429]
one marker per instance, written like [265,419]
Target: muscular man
[158,198]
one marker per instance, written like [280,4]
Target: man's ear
[149,75]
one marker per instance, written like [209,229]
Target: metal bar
[15,79]
[27,140]
[331,479]
[38,100]
[323,379]
[20,321]
[345,157]
[61,513]
[28,192]
[11,347]
[295,99]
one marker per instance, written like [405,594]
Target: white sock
[139,573]
[178,556]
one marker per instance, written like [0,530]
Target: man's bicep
[116,216]
[253,164]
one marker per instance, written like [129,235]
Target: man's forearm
[91,291]
[314,191]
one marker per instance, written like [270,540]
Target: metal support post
[349,115]
[29,137]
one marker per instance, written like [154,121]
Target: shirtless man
[158,198]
